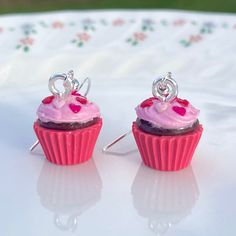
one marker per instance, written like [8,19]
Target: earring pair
[167,130]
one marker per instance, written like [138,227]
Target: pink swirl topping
[74,108]
[169,115]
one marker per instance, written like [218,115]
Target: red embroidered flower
[139,36]
[118,22]
[179,22]
[1,29]
[195,38]
[48,100]
[83,37]
[57,25]
[27,41]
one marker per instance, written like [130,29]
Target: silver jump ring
[166,89]
[66,84]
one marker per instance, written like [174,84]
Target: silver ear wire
[109,145]
[34,146]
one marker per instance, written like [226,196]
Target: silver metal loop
[67,84]
[166,89]
[78,87]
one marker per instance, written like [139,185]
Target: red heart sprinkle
[82,100]
[148,102]
[75,108]
[183,102]
[180,110]
[48,100]
[75,93]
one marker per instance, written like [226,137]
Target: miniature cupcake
[68,124]
[167,129]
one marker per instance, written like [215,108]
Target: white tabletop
[115,194]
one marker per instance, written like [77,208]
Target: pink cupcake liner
[167,153]
[68,147]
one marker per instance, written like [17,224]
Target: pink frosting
[174,115]
[69,109]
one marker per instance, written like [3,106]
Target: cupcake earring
[167,130]
[68,124]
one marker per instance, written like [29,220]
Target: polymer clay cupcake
[68,124]
[167,130]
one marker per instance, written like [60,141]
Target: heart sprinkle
[82,100]
[180,110]
[183,102]
[75,93]
[48,100]
[75,108]
[148,102]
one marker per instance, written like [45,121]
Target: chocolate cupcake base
[67,126]
[149,128]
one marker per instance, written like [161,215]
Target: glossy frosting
[169,115]
[73,108]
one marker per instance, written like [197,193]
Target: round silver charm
[69,83]
[165,89]
[66,84]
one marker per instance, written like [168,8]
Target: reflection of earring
[167,130]
[68,124]
[164,198]
[68,192]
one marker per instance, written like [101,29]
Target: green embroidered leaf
[73,41]
[203,31]
[18,46]
[80,44]
[128,40]
[26,49]
[134,43]
[85,27]
[92,28]
[144,28]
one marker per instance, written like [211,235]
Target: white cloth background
[122,52]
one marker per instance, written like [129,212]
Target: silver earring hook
[108,146]
[88,81]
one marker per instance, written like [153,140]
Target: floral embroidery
[147,25]
[118,22]
[29,29]
[192,39]
[88,24]
[57,25]
[81,38]
[25,44]
[207,28]
[136,38]
[88,27]
[179,22]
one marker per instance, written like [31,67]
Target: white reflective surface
[115,194]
